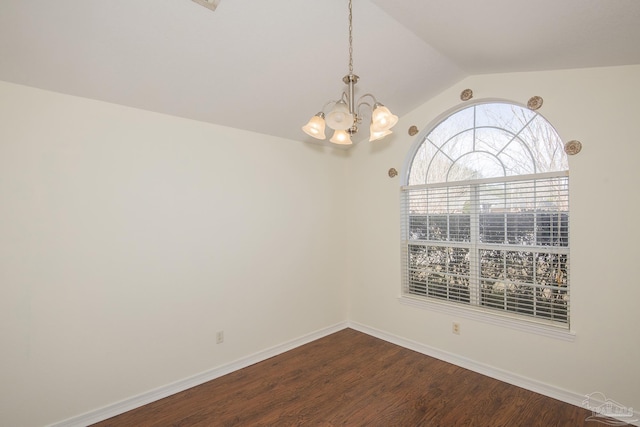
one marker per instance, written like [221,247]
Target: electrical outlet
[219,337]
[456,328]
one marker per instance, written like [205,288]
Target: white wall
[129,238]
[600,108]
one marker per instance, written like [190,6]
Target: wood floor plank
[352,379]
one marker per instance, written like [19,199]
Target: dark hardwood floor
[352,379]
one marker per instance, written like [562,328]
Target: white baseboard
[123,406]
[134,402]
[490,371]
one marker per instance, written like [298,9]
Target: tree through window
[485,214]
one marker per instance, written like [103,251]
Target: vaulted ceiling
[267,66]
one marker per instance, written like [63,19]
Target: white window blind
[498,244]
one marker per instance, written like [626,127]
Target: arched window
[485,214]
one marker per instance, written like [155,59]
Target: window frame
[504,318]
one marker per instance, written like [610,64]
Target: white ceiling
[267,66]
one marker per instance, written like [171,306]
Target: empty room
[343,212]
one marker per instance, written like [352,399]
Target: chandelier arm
[375,101]
[360,104]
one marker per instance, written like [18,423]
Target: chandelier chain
[350,38]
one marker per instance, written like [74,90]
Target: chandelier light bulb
[375,135]
[382,119]
[341,137]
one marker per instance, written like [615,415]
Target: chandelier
[345,116]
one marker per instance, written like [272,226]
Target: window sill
[531,326]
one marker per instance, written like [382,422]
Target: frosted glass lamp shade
[374,135]
[382,119]
[341,137]
[340,118]
[315,126]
